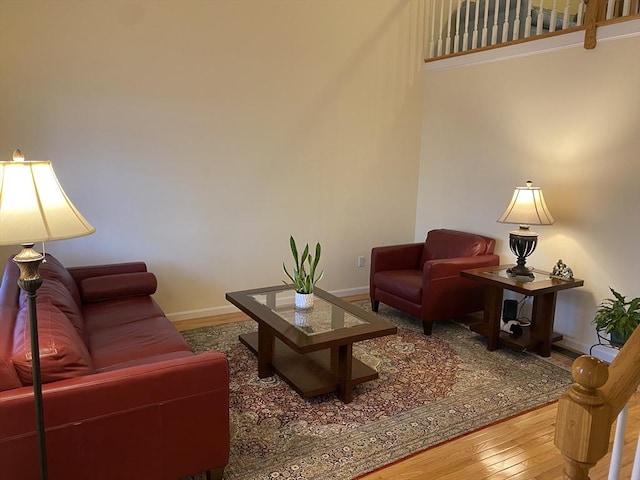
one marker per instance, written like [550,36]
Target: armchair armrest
[396,257]
[451,267]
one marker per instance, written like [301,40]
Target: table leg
[345,360]
[544,309]
[492,309]
[265,351]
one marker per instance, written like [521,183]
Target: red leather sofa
[423,279]
[124,396]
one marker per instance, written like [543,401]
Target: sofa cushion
[63,354]
[9,294]
[135,340]
[146,361]
[51,268]
[112,313]
[55,293]
[8,376]
[107,287]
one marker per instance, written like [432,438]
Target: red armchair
[423,279]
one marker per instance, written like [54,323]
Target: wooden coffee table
[311,350]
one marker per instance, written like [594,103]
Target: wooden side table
[544,289]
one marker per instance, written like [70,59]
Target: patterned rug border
[356,451]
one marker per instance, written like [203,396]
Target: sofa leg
[427,327]
[374,305]
[215,474]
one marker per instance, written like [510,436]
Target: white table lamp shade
[527,207]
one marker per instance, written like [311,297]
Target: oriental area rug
[430,389]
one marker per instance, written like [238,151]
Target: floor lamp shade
[527,207]
[34,208]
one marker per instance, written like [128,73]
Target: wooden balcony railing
[587,411]
[456,27]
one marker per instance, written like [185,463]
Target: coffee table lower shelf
[528,340]
[310,374]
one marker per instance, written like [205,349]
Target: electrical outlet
[361,261]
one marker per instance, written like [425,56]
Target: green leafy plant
[617,316]
[304,281]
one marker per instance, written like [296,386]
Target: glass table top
[321,318]
[534,275]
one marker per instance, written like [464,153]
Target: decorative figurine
[562,270]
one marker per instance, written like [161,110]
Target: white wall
[569,120]
[194,135]
[198,136]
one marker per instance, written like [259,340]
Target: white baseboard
[203,312]
[226,309]
[604,353]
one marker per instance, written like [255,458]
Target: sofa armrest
[451,267]
[176,411]
[396,257]
[120,285]
[88,271]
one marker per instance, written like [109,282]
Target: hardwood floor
[520,448]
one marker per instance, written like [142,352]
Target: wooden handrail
[589,408]
[594,15]
[624,375]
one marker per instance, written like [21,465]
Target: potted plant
[303,280]
[618,317]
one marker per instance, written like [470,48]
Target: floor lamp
[34,208]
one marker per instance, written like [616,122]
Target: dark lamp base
[522,243]
[520,271]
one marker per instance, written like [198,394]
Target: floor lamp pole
[28,260]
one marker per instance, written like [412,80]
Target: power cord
[523,321]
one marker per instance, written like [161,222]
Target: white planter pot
[303,301]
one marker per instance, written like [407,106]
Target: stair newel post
[590,19]
[584,420]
